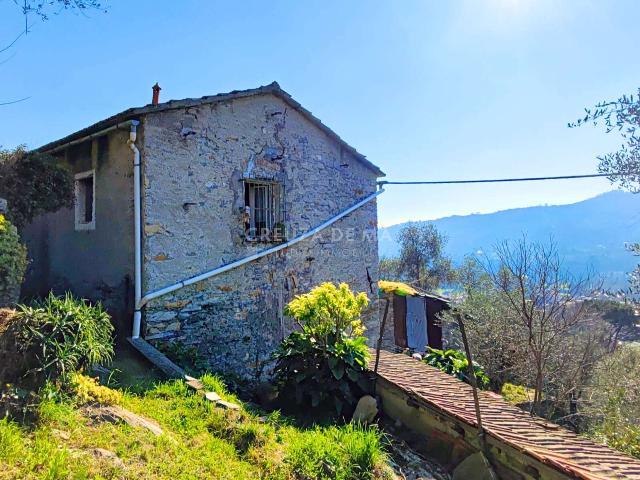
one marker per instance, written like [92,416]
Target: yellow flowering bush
[87,389]
[323,364]
[329,309]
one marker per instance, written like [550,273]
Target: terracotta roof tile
[547,442]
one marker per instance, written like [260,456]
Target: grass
[199,441]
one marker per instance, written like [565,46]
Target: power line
[505,180]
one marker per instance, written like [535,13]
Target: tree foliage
[531,326]
[13,263]
[622,116]
[542,298]
[422,261]
[33,184]
[613,408]
[490,325]
[45,8]
[323,364]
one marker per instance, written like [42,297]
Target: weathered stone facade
[194,162]
[195,156]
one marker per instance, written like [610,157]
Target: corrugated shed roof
[272,88]
[547,442]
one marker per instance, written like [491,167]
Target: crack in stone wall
[199,158]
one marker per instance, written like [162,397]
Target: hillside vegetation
[591,233]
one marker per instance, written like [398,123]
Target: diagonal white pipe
[251,258]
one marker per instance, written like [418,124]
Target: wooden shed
[413,319]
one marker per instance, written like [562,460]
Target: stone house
[196,220]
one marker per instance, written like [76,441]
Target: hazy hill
[589,233]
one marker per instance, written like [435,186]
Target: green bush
[613,408]
[13,263]
[516,393]
[67,334]
[455,363]
[323,364]
[33,184]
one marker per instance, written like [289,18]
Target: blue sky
[425,89]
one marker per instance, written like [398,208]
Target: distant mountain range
[590,234]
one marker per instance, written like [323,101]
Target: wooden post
[379,346]
[474,387]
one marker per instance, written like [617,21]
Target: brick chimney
[156,94]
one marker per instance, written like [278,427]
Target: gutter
[230,266]
[118,126]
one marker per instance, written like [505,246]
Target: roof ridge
[148,109]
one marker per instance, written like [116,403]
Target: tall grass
[349,452]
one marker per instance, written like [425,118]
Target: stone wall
[194,162]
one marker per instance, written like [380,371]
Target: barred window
[264,217]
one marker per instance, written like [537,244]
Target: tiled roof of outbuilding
[549,443]
[272,88]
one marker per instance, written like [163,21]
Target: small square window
[264,217]
[85,205]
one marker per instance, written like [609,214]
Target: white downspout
[224,268]
[137,316]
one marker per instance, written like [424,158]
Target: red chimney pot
[156,94]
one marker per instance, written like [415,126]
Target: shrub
[68,334]
[613,408]
[455,363]
[13,263]
[87,389]
[33,184]
[516,393]
[323,364]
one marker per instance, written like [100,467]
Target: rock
[3,205]
[114,414]
[227,405]
[61,434]
[213,397]
[109,455]
[472,467]
[366,410]
[153,229]
[194,383]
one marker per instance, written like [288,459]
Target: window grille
[263,210]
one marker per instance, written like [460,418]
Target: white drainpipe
[137,219]
[250,258]
[132,125]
